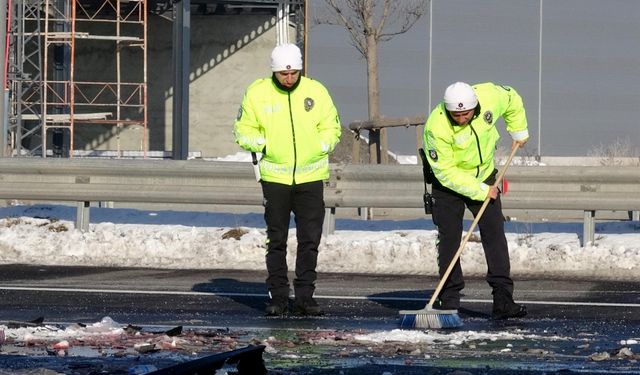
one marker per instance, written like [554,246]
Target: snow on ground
[44,234]
[450,338]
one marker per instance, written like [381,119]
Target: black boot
[307,306]
[447,304]
[504,307]
[277,306]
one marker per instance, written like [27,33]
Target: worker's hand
[493,192]
[519,144]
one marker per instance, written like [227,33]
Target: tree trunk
[355,151]
[376,153]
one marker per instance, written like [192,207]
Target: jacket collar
[286,89]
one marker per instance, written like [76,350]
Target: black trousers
[306,201]
[448,214]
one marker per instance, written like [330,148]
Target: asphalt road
[592,317]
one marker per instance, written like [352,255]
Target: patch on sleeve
[239,116]
[433,155]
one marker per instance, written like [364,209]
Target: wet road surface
[579,326]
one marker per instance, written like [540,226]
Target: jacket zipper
[479,149]
[293,133]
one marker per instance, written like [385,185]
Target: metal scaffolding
[53,88]
[51,97]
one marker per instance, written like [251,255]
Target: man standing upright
[460,137]
[292,121]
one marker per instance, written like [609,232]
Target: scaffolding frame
[43,102]
[50,97]
[24,73]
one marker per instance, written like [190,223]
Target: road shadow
[255,296]
[417,300]
[251,294]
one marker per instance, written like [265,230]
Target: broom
[429,317]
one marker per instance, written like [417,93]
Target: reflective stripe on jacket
[462,156]
[295,130]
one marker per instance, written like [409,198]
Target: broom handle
[470,231]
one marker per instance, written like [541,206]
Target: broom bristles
[430,318]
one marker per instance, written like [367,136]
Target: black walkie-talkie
[427,173]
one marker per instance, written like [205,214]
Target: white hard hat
[460,97]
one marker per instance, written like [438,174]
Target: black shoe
[504,307]
[277,306]
[307,306]
[446,304]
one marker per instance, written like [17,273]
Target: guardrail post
[106,204]
[589,227]
[82,216]
[634,215]
[329,225]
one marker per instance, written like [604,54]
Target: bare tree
[368,23]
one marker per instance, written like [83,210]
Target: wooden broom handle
[444,278]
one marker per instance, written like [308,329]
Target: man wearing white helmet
[292,121]
[460,138]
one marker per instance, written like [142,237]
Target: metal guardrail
[588,189]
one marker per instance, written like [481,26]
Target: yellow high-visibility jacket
[295,130]
[462,156]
